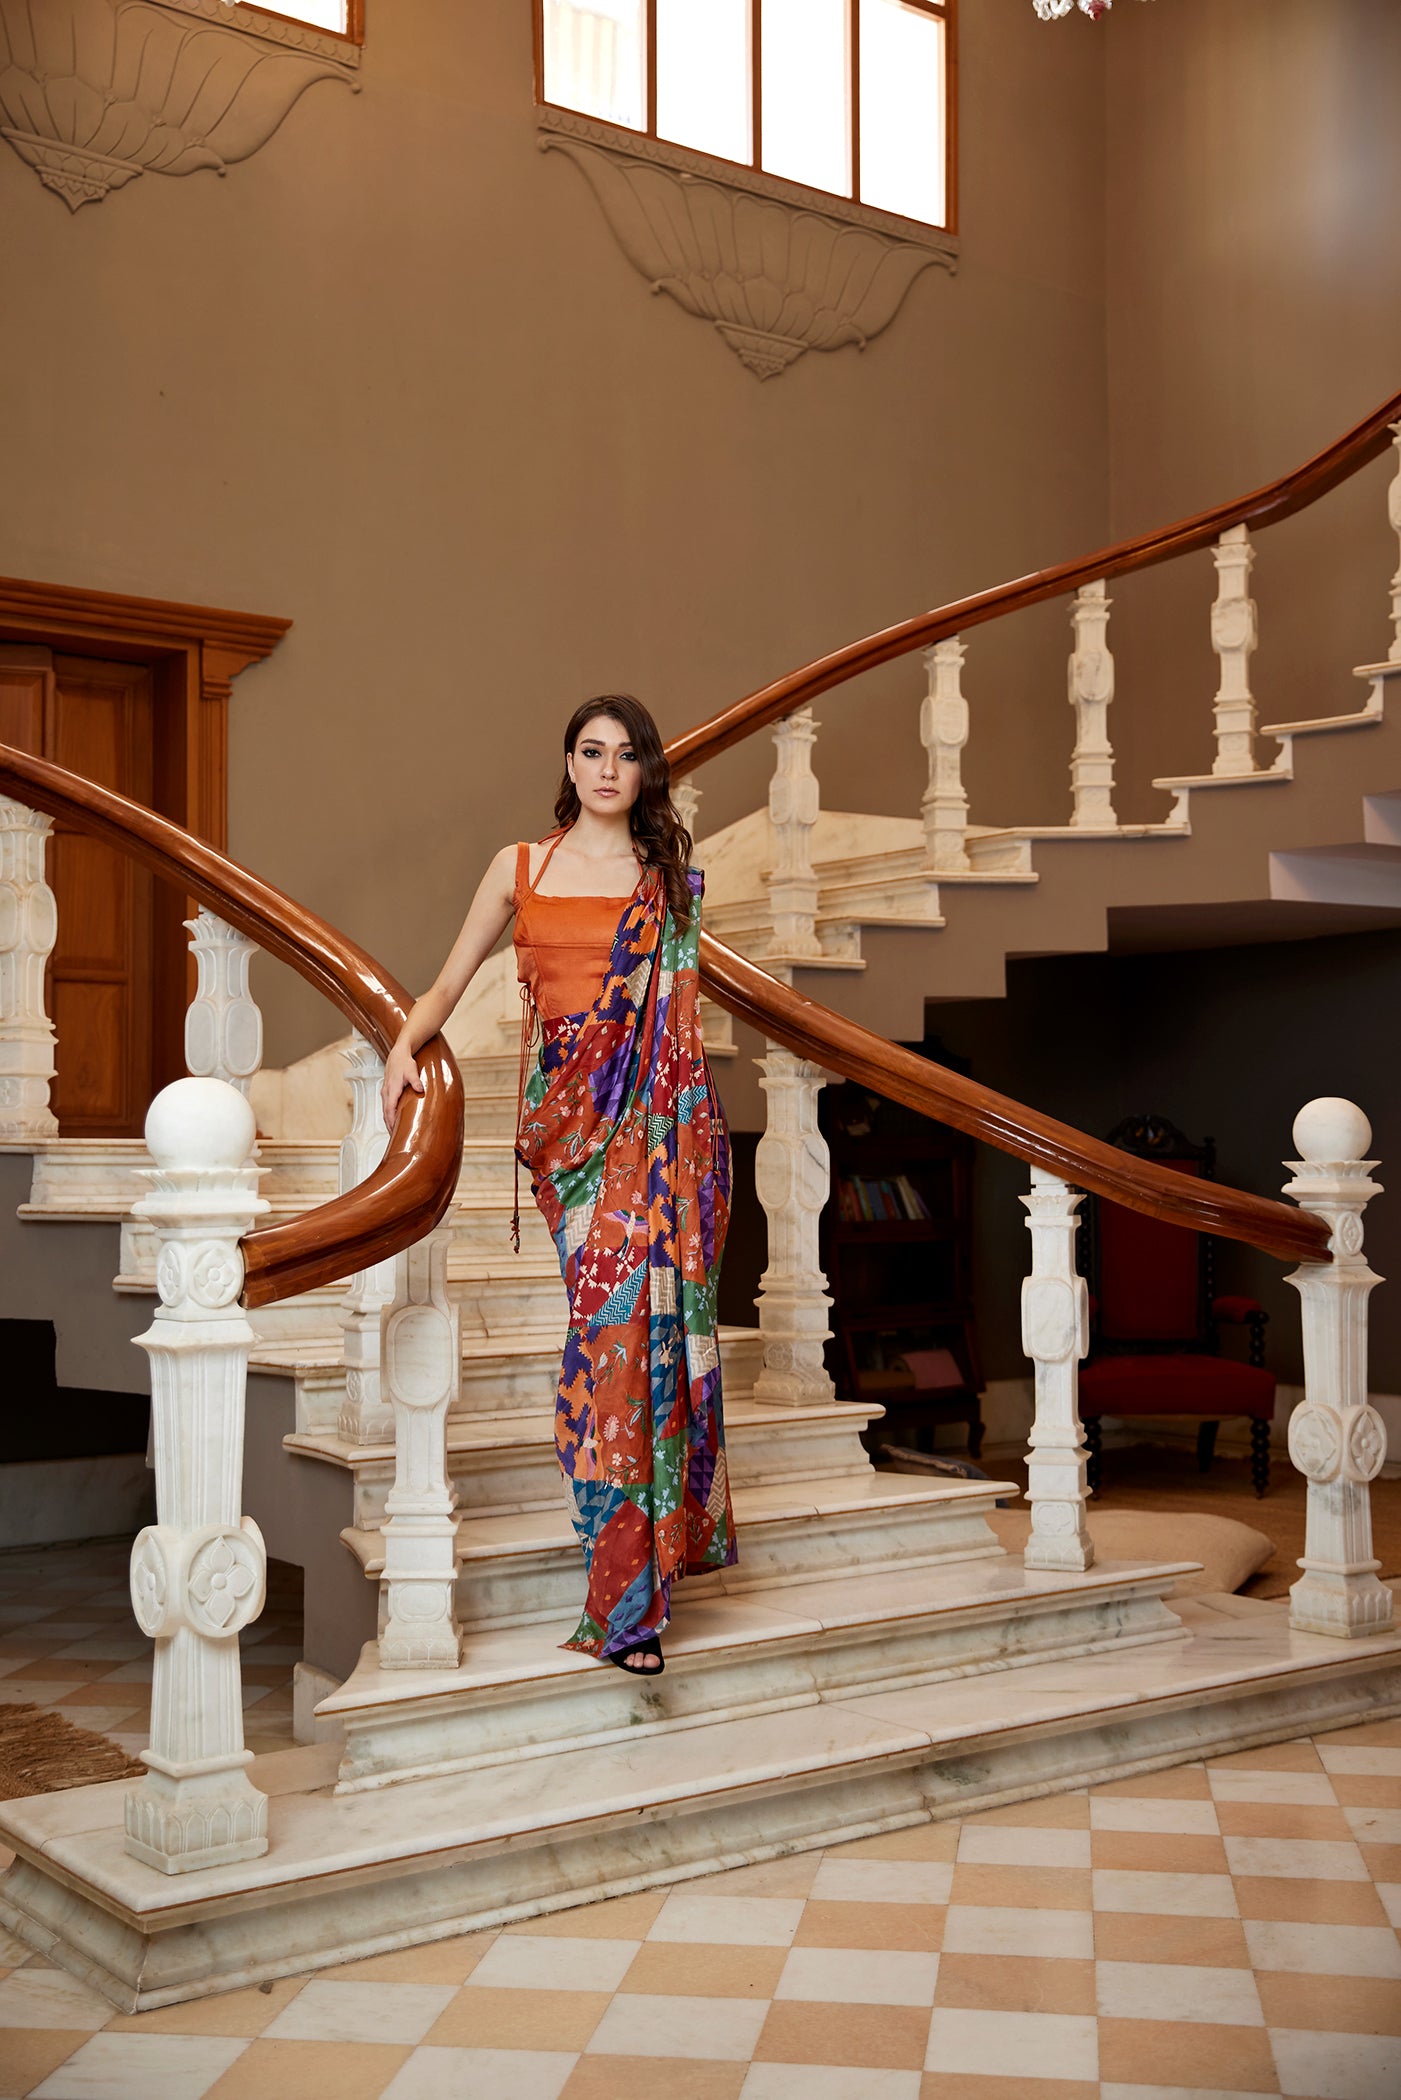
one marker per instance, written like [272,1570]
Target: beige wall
[1254,312]
[393,377]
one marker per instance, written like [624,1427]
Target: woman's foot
[644,1660]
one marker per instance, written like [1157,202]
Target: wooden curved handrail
[1265,506]
[413,1185]
[840,1045]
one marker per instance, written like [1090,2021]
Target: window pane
[902,109]
[595,59]
[322,14]
[805,68]
[704,97]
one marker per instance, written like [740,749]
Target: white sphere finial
[200,1125]
[1331,1129]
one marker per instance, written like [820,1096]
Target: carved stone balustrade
[421,1370]
[1091,688]
[943,731]
[792,1176]
[366,1416]
[1055,1335]
[223,1023]
[28,930]
[1234,635]
[793,810]
[1336,1439]
[198,1573]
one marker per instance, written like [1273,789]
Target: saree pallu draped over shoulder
[629,1159]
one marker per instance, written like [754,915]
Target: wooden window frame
[353,32]
[941,10]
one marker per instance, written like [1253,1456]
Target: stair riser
[490,1483]
[599,1706]
[528,1384]
[512,1385]
[259,1932]
[505,1306]
[489,1116]
[524,1588]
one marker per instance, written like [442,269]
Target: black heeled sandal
[650,1647]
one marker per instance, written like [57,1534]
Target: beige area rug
[41,1752]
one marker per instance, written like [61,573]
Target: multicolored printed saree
[628,1154]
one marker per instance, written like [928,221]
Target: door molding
[196,652]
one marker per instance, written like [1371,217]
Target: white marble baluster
[1337,1441]
[1234,634]
[685,798]
[1091,689]
[793,808]
[28,929]
[421,1369]
[943,731]
[366,1415]
[792,1177]
[223,1022]
[1055,1335]
[198,1573]
[1393,511]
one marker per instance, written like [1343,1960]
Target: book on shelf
[865,1200]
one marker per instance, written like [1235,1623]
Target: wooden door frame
[195,652]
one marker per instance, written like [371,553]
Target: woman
[629,1159]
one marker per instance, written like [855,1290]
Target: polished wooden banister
[840,1045]
[410,1190]
[1265,506]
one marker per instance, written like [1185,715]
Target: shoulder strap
[523,865]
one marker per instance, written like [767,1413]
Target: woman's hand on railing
[400,1071]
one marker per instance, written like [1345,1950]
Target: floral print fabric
[626,1146]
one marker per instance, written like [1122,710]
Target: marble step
[507,1372]
[524,1569]
[506,1463]
[351,1875]
[518,1693]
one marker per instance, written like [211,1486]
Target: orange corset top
[563,944]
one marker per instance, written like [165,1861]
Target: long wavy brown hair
[658,832]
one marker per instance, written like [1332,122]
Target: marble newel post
[198,1573]
[792,1177]
[421,1371]
[1335,1439]
[28,929]
[366,1416]
[1055,1335]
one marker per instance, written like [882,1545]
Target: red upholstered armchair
[1155,1317]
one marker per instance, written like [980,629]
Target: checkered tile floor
[1228,1928]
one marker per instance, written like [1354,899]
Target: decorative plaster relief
[94,92]
[775,276]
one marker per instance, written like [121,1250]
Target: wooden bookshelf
[901,1286]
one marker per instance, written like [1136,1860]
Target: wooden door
[97,718]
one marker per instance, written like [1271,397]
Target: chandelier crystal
[1051,10]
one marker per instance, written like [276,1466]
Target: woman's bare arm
[487,919]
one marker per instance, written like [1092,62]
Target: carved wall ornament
[777,271]
[96,92]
